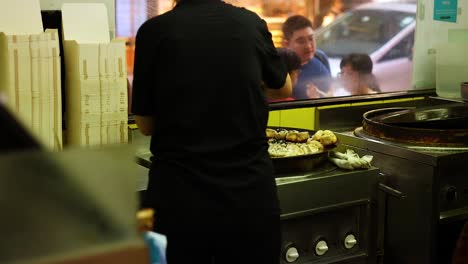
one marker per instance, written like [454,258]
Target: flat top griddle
[434,117]
[436,126]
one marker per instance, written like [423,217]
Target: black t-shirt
[198,72]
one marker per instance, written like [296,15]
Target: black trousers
[207,237]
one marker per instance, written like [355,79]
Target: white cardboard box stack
[30,70]
[96,77]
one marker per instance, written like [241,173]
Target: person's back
[206,117]
[198,73]
[209,89]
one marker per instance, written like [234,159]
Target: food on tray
[350,160]
[288,143]
[270,133]
[281,134]
[302,136]
[289,149]
[296,136]
[315,143]
[326,137]
[291,135]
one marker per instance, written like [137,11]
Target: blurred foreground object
[78,204]
[156,243]
[460,256]
[13,136]
[145,219]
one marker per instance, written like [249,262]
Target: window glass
[130,14]
[382,29]
[361,31]
[402,50]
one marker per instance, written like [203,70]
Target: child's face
[349,78]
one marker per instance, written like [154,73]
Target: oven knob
[291,254]
[321,248]
[450,193]
[350,241]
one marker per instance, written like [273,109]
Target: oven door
[331,218]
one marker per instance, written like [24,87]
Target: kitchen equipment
[433,117]
[328,215]
[424,226]
[300,163]
[464,91]
[436,126]
[297,164]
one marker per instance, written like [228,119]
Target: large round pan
[432,117]
[301,163]
[373,126]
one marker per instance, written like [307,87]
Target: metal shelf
[451,100]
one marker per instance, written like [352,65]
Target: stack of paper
[96,78]
[30,70]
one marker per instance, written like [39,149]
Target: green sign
[446,10]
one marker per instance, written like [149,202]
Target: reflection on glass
[362,31]
[385,31]
[382,29]
[355,77]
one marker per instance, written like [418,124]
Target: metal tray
[300,163]
[442,137]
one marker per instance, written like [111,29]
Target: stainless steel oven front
[330,217]
[423,227]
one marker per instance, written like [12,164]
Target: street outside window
[383,29]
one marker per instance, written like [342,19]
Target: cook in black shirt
[198,89]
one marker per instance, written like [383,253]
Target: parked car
[385,31]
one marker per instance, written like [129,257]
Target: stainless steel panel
[435,185]
[328,203]
[453,181]
[304,194]
[328,207]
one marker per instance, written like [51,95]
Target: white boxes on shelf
[96,78]
[30,71]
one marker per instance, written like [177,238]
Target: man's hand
[314,92]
